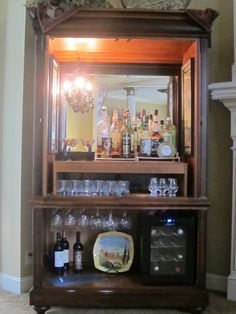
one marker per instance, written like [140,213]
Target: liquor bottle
[126,137]
[106,139]
[156,135]
[132,135]
[78,254]
[58,255]
[145,142]
[162,127]
[115,134]
[65,246]
[141,127]
[170,127]
[100,128]
[104,143]
[150,122]
[155,123]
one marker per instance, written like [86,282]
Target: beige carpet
[13,304]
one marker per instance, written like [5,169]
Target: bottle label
[115,141]
[78,260]
[107,144]
[126,144]
[146,146]
[58,259]
[66,256]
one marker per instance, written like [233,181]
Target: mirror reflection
[114,92]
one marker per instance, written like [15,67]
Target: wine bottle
[78,254]
[65,246]
[58,255]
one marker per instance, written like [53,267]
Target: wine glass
[162,187]
[96,221]
[153,186]
[57,221]
[125,222]
[69,220]
[83,220]
[110,222]
[173,186]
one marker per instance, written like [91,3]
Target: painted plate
[156,4]
[113,252]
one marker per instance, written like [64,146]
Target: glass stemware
[125,222]
[162,187]
[173,186]
[83,220]
[110,222]
[57,221]
[70,220]
[60,187]
[96,221]
[153,186]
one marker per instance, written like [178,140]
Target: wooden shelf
[119,167]
[107,289]
[114,166]
[131,201]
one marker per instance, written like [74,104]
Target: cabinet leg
[41,309]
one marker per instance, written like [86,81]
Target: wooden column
[226,93]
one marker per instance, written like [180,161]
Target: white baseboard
[15,284]
[216,282]
[231,291]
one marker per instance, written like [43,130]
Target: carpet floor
[19,304]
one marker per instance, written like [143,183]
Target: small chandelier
[78,93]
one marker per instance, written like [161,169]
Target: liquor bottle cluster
[61,254]
[140,136]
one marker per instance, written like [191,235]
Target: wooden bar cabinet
[133,42]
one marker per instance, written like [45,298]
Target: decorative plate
[113,252]
[166,150]
[156,4]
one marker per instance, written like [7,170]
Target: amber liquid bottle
[115,134]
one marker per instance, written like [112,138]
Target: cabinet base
[41,309]
[193,302]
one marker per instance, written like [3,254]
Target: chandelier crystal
[78,93]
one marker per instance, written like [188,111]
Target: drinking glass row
[92,187]
[163,186]
[108,222]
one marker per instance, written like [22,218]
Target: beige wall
[27,140]
[12,70]
[15,140]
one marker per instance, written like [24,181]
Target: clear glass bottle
[141,124]
[155,123]
[101,125]
[171,129]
